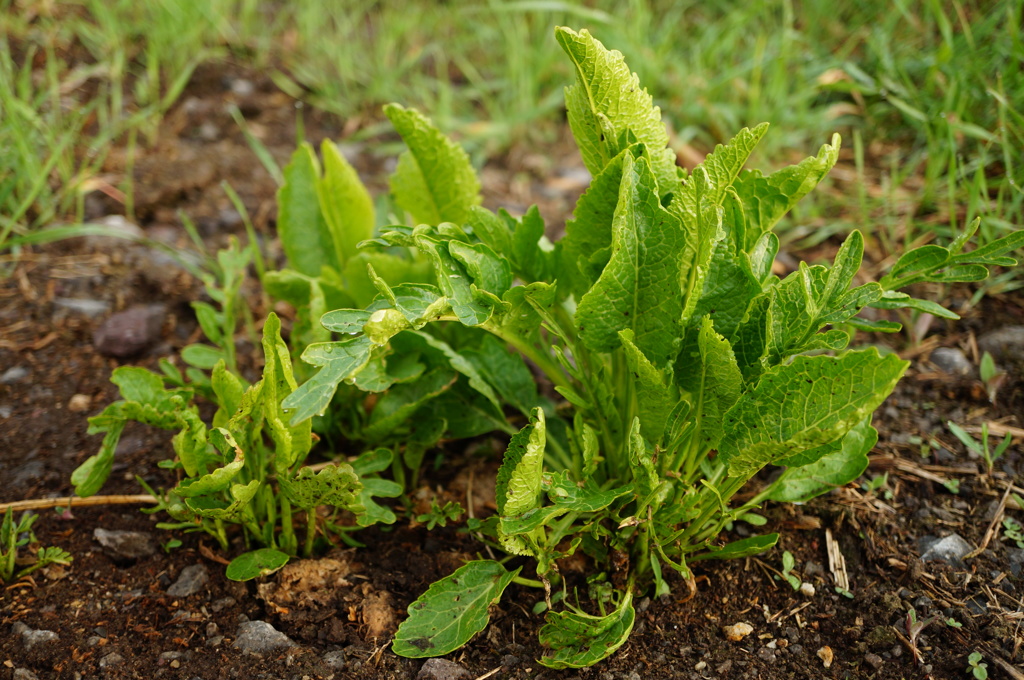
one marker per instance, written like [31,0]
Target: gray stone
[442,669]
[335,660]
[190,581]
[128,333]
[126,545]
[951,360]
[24,674]
[873,660]
[14,374]
[1006,343]
[1016,561]
[112,659]
[259,637]
[84,306]
[30,637]
[950,550]
[222,603]
[767,655]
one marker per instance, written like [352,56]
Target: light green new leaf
[434,180]
[577,639]
[490,272]
[801,484]
[806,404]
[455,282]
[305,236]
[519,478]
[452,610]
[220,479]
[765,200]
[606,103]
[217,508]
[707,369]
[639,288]
[345,203]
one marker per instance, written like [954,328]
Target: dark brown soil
[101,606]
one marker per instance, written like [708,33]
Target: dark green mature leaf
[606,103]
[577,639]
[226,510]
[455,282]
[345,203]
[569,495]
[638,290]
[305,236]
[800,484]
[365,466]
[402,401]
[434,180]
[488,271]
[506,372]
[807,404]
[729,288]
[452,610]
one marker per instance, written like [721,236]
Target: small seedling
[1013,531]
[788,562]
[878,485]
[440,516]
[17,535]
[953,623]
[976,667]
[991,375]
[981,447]
[914,629]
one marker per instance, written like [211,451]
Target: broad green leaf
[606,103]
[765,200]
[752,338]
[452,610]
[506,372]
[256,563]
[229,389]
[532,255]
[488,271]
[227,510]
[89,477]
[745,547]
[519,478]
[653,388]
[141,385]
[335,485]
[491,229]
[403,400]
[345,203]
[455,282]
[589,232]
[808,403]
[221,478]
[201,356]
[565,493]
[305,236]
[729,288]
[390,268]
[434,180]
[638,290]
[707,369]
[346,321]
[367,464]
[577,639]
[338,361]
[801,484]
[210,320]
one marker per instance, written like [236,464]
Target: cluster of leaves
[18,534]
[688,365]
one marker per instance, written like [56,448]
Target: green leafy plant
[247,467]
[976,666]
[15,535]
[1013,531]
[440,515]
[990,456]
[687,366]
[788,563]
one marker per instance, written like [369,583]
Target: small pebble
[873,660]
[806,589]
[79,403]
[112,659]
[737,631]
[826,656]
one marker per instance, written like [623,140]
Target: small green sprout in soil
[18,534]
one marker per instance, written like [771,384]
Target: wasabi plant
[686,365]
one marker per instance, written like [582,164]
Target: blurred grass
[929,95]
